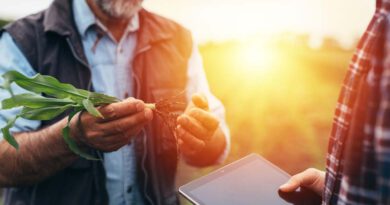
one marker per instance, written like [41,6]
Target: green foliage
[62,98]
[3,23]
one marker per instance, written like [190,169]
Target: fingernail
[140,106]
[284,186]
[148,114]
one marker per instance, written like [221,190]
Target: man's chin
[121,12]
[124,16]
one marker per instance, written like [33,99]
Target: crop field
[279,97]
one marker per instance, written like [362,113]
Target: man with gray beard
[118,48]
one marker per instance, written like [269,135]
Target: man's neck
[116,26]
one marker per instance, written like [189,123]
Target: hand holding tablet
[249,181]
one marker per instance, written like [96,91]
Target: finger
[185,149]
[194,127]
[108,140]
[126,123]
[200,101]
[188,139]
[121,109]
[114,142]
[206,118]
[307,179]
[123,139]
[292,185]
[134,131]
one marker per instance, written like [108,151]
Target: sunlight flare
[255,58]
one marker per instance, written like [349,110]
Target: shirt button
[129,189]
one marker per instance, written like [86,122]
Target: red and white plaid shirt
[360,137]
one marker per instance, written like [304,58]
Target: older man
[117,48]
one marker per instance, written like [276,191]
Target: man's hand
[198,130]
[311,179]
[121,123]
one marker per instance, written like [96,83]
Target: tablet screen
[251,180]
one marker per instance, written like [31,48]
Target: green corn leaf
[44,84]
[31,100]
[45,113]
[7,135]
[91,108]
[37,107]
[70,141]
[7,86]
[101,99]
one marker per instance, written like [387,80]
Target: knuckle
[295,178]
[117,127]
[194,112]
[92,135]
[109,111]
[311,171]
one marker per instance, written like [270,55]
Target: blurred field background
[279,96]
[279,90]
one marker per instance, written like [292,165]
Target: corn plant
[63,98]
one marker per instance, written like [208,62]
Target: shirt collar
[85,18]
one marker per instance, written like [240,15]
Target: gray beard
[119,9]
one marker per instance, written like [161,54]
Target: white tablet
[249,181]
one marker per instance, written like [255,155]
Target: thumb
[310,179]
[292,185]
[200,101]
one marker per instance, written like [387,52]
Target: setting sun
[255,58]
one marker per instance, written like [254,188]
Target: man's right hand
[121,123]
[312,179]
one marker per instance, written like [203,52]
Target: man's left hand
[196,126]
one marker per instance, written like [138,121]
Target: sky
[219,20]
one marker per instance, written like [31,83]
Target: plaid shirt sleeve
[372,185]
[382,132]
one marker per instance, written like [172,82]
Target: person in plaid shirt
[358,159]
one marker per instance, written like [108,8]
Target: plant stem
[151,106]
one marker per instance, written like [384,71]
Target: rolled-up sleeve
[11,58]
[197,83]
